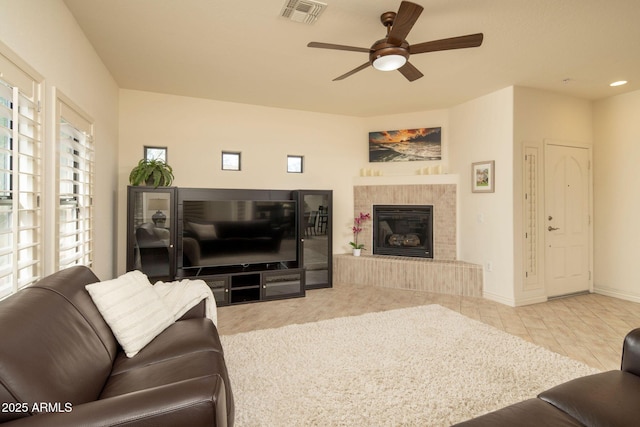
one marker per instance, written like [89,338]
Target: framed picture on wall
[405,145]
[483,177]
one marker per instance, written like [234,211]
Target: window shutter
[75,186]
[20,175]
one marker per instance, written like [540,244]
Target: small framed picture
[483,177]
[294,164]
[230,161]
[155,153]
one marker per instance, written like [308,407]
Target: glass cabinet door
[151,232]
[219,287]
[315,253]
[283,284]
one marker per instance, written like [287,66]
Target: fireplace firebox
[403,230]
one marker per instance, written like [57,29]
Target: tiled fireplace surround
[443,273]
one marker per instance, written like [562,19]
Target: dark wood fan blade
[461,42]
[410,72]
[337,47]
[355,70]
[407,15]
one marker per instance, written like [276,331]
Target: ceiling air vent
[305,11]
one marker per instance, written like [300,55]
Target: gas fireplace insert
[403,230]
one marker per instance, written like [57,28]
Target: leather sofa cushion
[528,413]
[183,337]
[66,283]
[185,350]
[608,398]
[185,367]
[39,324]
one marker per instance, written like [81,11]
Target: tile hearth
[418,274]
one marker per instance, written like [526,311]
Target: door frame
[570,144]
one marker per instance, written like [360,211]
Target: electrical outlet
[489,266]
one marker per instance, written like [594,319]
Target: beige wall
[46,36]
[482,130]
[617,201]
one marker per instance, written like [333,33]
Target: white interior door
[567,220]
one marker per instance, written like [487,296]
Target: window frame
[148,149]
[231,161]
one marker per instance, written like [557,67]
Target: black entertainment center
[248,245]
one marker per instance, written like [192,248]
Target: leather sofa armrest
[198,311]
[631,352]
[194,402]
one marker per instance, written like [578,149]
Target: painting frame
[483,177]
[405,145]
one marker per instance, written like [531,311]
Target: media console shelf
[237,288]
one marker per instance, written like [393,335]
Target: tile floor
[589,328]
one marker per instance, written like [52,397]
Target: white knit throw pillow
[133,310]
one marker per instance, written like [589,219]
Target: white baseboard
[532,300]
[616,293]
[511,302]
[498,298]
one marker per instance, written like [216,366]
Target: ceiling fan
[393,51]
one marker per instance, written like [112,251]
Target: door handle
[550,228]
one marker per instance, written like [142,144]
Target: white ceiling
[243,51]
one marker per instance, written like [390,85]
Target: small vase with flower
[357,228]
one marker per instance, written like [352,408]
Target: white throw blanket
[182,295]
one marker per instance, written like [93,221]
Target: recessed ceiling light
[618,83]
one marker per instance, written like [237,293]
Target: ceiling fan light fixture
[389,62]
[387,57]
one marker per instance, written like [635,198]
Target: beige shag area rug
[421,366]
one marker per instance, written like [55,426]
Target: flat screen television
[219,233]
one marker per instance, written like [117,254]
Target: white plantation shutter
[20,174]
[75,185]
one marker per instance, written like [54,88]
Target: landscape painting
[405,145]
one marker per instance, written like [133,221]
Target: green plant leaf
[151,172]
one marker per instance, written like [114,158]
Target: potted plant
[357,228]
[151,172]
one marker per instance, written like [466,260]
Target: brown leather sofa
[606,399]
[60,364]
